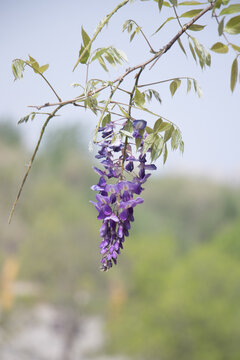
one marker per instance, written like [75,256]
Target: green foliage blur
[175,292]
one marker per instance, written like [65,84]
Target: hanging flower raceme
[115,202]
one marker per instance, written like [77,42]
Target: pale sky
[50,31]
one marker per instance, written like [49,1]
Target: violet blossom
[115,202]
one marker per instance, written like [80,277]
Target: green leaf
[126,133]
[91,103]
[233,25]
[132,36]
[221,27]
[174,2]
[157,125]
[125,25]
[101,62]
[181,146]
[156,148]
[165,3]
[208,59]
[85,37]
[178,81]
[128,126]
[156,95]
[43,68]
[160,4]
[33,116]
[138,28]
[197,88]
[106,120]
[24,119]
[235,47]
[203,55]
[190,3]
[164,126]
[123,111]
[168,134]
[114,138]
[34,64]
[181,46]
[148,142]
[150,93]
[196,27]
[149,130]
[166,21]
[138,142]
[84,59]
[110,59]
[18,68]
[191,13]
[139,98]
[165,153]
[220,48]
[176,138]
[173,87]
[189,85]
[234,74]
[231,9]
[218,4]
[192,51]
[99,52]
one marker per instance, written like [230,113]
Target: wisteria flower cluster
[119,186]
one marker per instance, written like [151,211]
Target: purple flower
[115,202]
[139,124]
[129,166]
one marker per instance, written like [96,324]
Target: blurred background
[175,293]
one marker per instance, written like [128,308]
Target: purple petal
[107,210]
[123,215]
[150,167]
[139,124]
[112,217]
[98,171]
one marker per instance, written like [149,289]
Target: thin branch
[104,109]
[45,79]
[127,92]
[118,80]
[31,162]
[167,80]
[178,19]
[129,113]
[146,39]
[154,58]
[224,34]
[100,109]
[182,31]
[104,22]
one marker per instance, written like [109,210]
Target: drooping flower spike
[115,202]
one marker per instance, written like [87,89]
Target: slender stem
[100,109]
[104,110]
[100,27]
[167,80]
[153,59]
[31,161]
[123,90]
[182,31]
[178,20]
[146,39]
[45,79]
[86,81]
[129,113]
[224,34]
